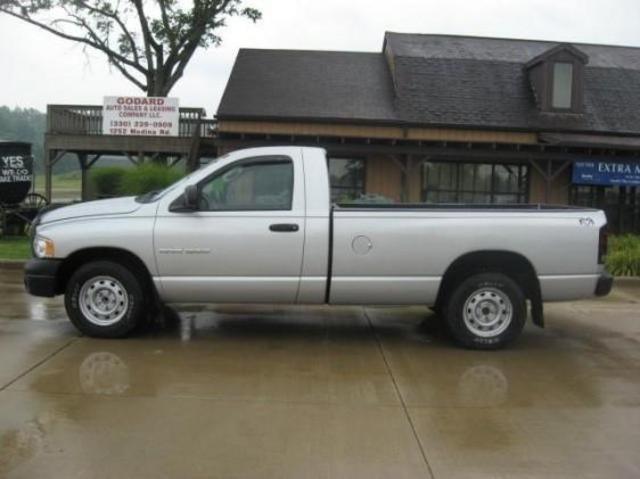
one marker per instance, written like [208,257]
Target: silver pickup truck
[257,226]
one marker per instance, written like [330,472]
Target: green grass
[623,258]
[64,186]
[14,247]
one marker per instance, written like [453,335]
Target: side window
[260,185]
[347,178]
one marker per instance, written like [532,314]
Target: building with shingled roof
[451,119]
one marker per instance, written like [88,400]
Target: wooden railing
[87,120]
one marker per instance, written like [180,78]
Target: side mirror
[191,196]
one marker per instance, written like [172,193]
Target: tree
[149,41]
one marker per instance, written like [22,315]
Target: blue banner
[606,173]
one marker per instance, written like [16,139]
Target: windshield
[157,194]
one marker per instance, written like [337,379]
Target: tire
[104,299]
[486,311]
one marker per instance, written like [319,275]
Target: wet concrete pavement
[263,392]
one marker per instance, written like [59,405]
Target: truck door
[244,243]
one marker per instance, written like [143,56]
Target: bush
[623,258]
[117,181]
[106,181]
[148,177]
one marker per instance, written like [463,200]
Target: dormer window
[557,77]
[562,87]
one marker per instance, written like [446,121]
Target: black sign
[16,175]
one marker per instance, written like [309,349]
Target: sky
[38,68]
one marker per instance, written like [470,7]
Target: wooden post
[633,209]
[404,180]
[194,150]
[48,167]
[94,160]
[82,159]
[547,183]
[131,158]
[549,175]
[622,203]
[406,168]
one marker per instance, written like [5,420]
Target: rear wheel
[486,311]
[104,299]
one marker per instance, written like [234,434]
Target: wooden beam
[406,168]
[562,167]
[131,158]
[538,168]
[93,160]
[47,171]
[175,161]
[404,178]
[547,182]
[374,131]
[58,157]
[51,157]
[397,161]
[82,159]
[106,144]
[194,150]
[335,147]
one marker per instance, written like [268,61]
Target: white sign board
[140,116]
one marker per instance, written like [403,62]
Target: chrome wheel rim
[103,300]
[488,312]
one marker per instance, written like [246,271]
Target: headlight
[43,247]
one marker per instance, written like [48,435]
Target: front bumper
[40,276]
[604,284]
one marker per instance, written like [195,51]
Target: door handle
[284,227]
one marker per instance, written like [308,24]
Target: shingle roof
[503,49]
[309,84]
[440,80]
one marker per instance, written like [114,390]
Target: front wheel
[486,311]
[104,299]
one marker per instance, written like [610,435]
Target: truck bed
[398,253]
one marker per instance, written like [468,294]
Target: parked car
[257,226]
